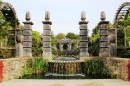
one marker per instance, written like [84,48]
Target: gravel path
[68,82]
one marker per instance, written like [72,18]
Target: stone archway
[10,15]
[65,44]
[122,13]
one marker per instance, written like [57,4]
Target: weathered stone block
[19,50]
[27,44]
[104,32]
[28,38]
[47,39]
[83,44]
[27,52]
[46,50]
[104,26]
[27,26]
[83,26]
[104,44]
[46,33]
[83,32]
[82,38]
[46,45]
[46,27]
[103,38]
[27,32]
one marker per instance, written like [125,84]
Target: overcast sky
[65,14]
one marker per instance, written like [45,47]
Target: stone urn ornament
[19,39]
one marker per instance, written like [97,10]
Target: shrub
[94,67]
[35,66]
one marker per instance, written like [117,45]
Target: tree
[72,35]
[4,26]
[94,41]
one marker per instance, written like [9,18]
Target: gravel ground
[68,82]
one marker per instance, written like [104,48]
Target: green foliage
[60,36]
[6,53]
[123,52]
[94,41]
[123,35]
[35,42]
[71,35]
[35,66]
[105,71]
[114,76]
[95,66]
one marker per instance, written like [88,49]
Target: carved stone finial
[103,16]
[83,15]
[47,15]
[28,17]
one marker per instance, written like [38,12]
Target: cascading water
[65,66]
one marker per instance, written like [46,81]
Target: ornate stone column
[47,37]
[83,36]
[19,44]
[103,25]
[27,33]
[112,40]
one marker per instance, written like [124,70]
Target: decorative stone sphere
[47,15]
[83,15]
[28,17]
[19,38]
[103,16]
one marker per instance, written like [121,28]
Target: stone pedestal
[27,33]
[112,40]
[83,36]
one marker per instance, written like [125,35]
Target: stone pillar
[19,44]
[27,33]
[83,36]
[47,37]
[112,40]
[103,25]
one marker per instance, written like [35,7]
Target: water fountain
[65,66]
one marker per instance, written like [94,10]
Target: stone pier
[47,37]
[103,25]
[27,33]
[83,36]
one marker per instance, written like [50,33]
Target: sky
[65,14]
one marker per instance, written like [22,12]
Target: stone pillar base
[82,54]
[47,55]
[19,50]
[104,54]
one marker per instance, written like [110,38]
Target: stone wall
[118,66]
[12,68]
